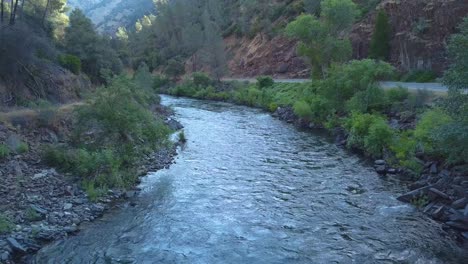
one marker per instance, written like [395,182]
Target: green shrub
[70,62]
[182,137]
[419,76]
[372,99]
[368,132]
[451,141]
[4,151]
[5,225]
[380,136]
[344,81]
[302,110]
[160,81]
[273,107]
[427,126]
[264,81]
[397,94]
[201,79]
[22,148]
[321,110]
[380,44]
[124,131]
[142,77]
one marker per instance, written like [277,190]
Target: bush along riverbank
[415,136]
[60,168]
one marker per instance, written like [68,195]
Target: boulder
[436,194]
[460,203]
[174,124]
[16,246]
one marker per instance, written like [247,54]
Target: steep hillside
[108,15]
[420,29]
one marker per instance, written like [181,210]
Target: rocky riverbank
[440,192]
[40,204]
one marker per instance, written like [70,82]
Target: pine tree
[380,44]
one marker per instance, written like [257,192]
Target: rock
[465,213]
[130,194]
[282,68]
[435,193]
[459,224]
[15,245]
[39,210]
[392,171]
[381,169]
[380,162]
[433,169]
[174,125]
[460,203]
[69,191]
[438,213]
[40,175]
[409,196]
[15,168]
[5,256]
[67,206]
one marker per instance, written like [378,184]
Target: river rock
[433,168]
[435,194]
[409,196]
[174,125]
[381,169]
[67,206]
[380,163]
[15,245]
[460,203]
[39,210]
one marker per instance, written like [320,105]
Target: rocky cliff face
[109,15]
[420,30]
[263,56]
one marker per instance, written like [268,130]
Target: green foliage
[303,110]
[452,142]
[31,215]
[5,225]
[143,77]
[174,68]
[380,44]
[456,77]
[421,201]
[160,81]
[344,81]
[182,137]
[94,51]
[4,151]
[420,76]
[398,94]
[315,43]
[123,131]
[264,81]
[369,132]
[380,137]
[70,62]
[372,99]
[201,79]
[22,148]
[339,15]
[429,123]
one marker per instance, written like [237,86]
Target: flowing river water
[248,188]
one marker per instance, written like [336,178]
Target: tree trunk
[22,7]
[2,11]
[45,13]
[13,13]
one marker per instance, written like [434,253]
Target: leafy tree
[380,44]
[82,40]
[319,39]
[312,6]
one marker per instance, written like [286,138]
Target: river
[248,188]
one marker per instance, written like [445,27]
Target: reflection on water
[250,189]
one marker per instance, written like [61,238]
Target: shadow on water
[248,188]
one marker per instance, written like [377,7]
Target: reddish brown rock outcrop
[420,30]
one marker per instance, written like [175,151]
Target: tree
[13,12]
[320,39]
[380,44]
[312,7]
[456,77]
